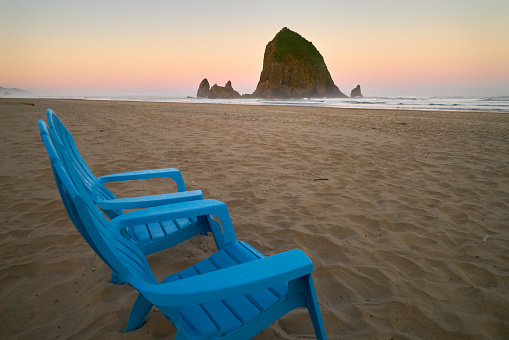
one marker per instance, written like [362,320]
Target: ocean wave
[496,99]
[484,104]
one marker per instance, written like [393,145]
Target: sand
[405,214]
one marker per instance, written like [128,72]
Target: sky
[165,47]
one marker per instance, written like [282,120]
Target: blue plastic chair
[104,198]
[233,294]
[149,237]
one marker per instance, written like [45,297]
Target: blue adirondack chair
[149,237]
[233,294]
[104,198]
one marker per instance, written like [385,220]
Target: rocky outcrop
[293,68]
[203,89]
[226,92]
[356,92]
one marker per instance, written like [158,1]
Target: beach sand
[405,214]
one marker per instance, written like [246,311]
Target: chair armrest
[149,201]
[230,282]
[174,174]
[223,234]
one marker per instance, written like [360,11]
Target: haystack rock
[226,92]
[293,68]
[356,92]
[203,89]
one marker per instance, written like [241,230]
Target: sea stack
[226,92]
[293,68]
[356,92]
[203,89]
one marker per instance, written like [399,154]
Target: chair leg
[314,308]
[139,313]
[116,279]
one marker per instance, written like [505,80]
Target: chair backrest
[54,157]
[119,253]
[67,150]
[64,142]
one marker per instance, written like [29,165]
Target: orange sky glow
[128,47]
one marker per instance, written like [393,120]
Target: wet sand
[405,214]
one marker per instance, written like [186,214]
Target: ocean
[482,104]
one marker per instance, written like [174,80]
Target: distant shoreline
[497,104]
